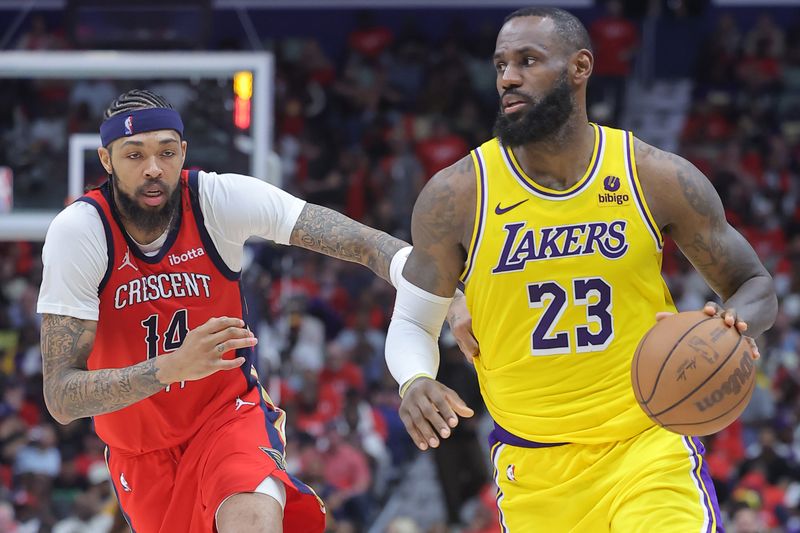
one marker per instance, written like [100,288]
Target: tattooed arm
[326,231]
[442,229]
[71,391]
[688,209]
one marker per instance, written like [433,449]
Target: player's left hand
[730,318]
[460,322]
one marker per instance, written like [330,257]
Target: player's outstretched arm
[689,210]
[329,232]
[326,231]
[71,391]
[440,225]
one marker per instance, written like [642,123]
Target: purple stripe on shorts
[499,497]
[499,434]
[705,477]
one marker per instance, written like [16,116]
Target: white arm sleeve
[412,347]
[75,260]
[237,207]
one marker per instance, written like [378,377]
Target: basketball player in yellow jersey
[556,229]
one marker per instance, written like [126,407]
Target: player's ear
[184,145]
[105,158]
[581,66]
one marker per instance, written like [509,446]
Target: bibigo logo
[611,197]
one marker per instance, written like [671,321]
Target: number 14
[545,341]
[173,337]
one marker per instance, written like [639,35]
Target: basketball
[692,374]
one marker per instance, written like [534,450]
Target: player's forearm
[755,302]
[71,391]
[331,233]
[79,393]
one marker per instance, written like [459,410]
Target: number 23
[544,341]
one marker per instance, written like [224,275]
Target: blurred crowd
[362,133]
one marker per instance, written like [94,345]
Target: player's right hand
[203,348]
[429,408]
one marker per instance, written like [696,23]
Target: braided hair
[136,99]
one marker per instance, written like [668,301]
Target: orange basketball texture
[692,374]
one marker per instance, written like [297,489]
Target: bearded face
[538,119]
[148,219]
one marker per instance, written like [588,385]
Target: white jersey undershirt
[234,207]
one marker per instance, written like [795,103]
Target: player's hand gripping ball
[693,373]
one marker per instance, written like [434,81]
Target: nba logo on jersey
[129,125]
[124,483]
[510,473]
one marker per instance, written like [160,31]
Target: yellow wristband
[404,387]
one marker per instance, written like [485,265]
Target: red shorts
[179,489]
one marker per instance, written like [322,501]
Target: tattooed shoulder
[663,173]
[445,203]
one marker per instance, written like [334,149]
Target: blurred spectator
[366,344]
[39,37]
[766,37]
[340,373]
[368,38]
[747,520]
[87,518]
[440,149]
[40,455]
[368,431]
[347,471]
[301,338]
[615,40]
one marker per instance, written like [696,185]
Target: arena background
[367,100]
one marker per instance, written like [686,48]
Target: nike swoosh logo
[500,210]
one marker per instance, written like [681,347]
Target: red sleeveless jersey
[147,305]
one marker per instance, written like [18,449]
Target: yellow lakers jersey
[562,285]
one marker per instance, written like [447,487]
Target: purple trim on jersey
[481,216]
[636,195]
[270,417]
[208,243]
[499,434]
[114,486]
[708,483]
[249,353]
[106,191]
[139,121]
[526,181]
[109,241]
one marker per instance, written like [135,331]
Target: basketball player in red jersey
[145,328]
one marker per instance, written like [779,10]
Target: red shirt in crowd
[614,40]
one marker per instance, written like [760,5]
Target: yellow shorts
[654,482]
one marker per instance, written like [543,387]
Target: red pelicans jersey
[147,305]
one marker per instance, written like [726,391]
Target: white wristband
[412,347]
[397,264]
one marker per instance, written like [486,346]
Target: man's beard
[150,220]
[540,120]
